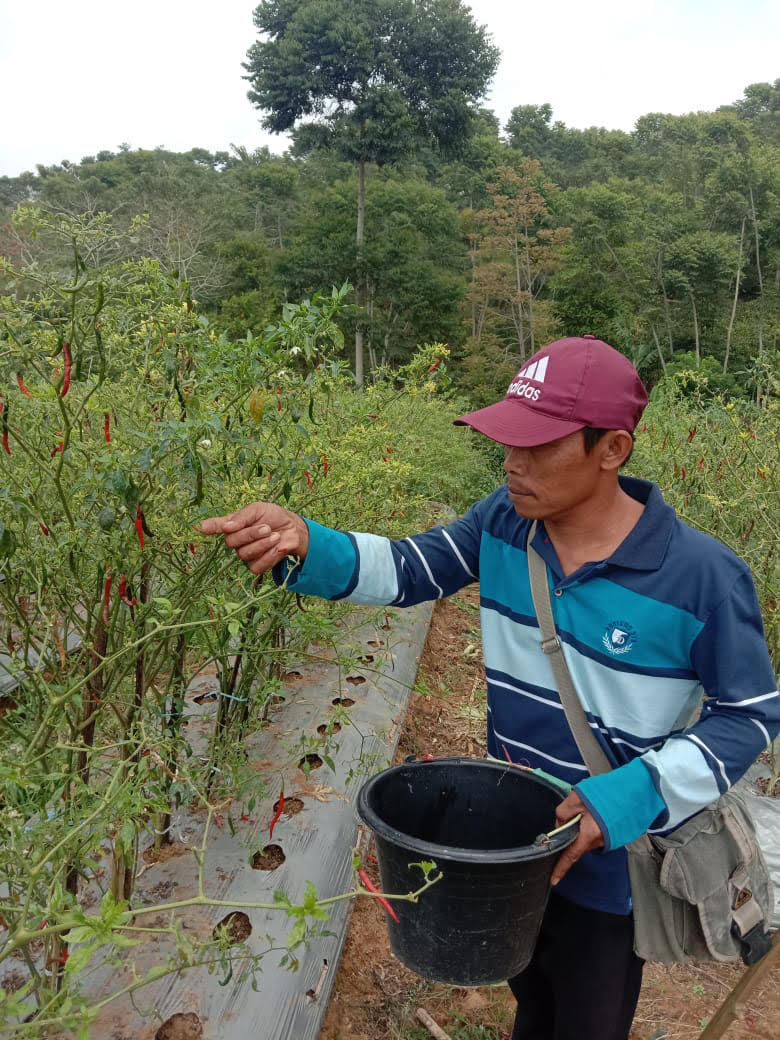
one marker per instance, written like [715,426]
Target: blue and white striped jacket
[670,617]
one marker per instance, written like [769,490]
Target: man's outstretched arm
[361,568]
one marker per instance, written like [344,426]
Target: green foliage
[716,463]
[413,274]
[705,378]
[378,76]
[128,418]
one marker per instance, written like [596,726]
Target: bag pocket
[694,880]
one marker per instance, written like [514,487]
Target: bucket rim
[455,853]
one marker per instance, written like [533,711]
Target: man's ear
[614,449]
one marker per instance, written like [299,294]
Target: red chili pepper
[107,590]
[683,473]
[123,593]
[22,387]
[23,604]
[325,465]
[68,365]
[278,813]
[372,888]
[691,435]
[139,527]
[192,549]
[644,427]
[309,481]
[435,365]
[107,427]
[700,464]
[45,529]
[60,447]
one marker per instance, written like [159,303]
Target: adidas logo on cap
[536,372]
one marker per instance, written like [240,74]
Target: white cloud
[86,75]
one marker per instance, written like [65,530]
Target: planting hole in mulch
[342,702]
[291,806]
[205,698]
[312,761]
[270,857]
[278,699]
[375,643]
[169,850]
[180,1027]
[366,659]
[237,926]
[329,727]
[293,675]
[356,680]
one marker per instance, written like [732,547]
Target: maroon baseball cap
[572,383]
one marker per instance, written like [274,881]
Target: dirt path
[375,997]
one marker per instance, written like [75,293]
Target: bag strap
[592,753]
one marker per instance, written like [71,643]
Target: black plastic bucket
[479,821]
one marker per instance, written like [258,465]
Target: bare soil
[180,1027]
[375,996]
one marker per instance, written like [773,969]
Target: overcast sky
[79,76]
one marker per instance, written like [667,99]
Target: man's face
[551,480]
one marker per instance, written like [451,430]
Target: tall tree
[516,249]
[371,79]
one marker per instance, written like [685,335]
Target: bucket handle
[544,838]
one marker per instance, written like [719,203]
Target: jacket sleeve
[370,569]
[739,719]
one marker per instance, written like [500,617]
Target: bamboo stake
[435,1030]
[729,1009]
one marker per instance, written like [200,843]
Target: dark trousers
[584,978]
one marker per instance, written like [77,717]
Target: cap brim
[510,422]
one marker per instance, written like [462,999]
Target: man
[651,615]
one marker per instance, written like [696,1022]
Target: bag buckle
[755,945]
[551,646]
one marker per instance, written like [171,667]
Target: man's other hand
[589,838]
[261,534]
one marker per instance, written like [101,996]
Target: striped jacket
[670,617]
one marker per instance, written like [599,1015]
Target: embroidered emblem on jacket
[619,637]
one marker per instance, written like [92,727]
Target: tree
[370,79]
[414,265]
[515,249]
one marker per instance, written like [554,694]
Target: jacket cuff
[623,803]
[328,568]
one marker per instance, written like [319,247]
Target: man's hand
[589,838]
[261,534]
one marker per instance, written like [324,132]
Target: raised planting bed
[313,838]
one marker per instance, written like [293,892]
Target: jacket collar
[645,546]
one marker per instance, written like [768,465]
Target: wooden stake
[729,1010]
[435,1030]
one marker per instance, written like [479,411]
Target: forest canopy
[665,241]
